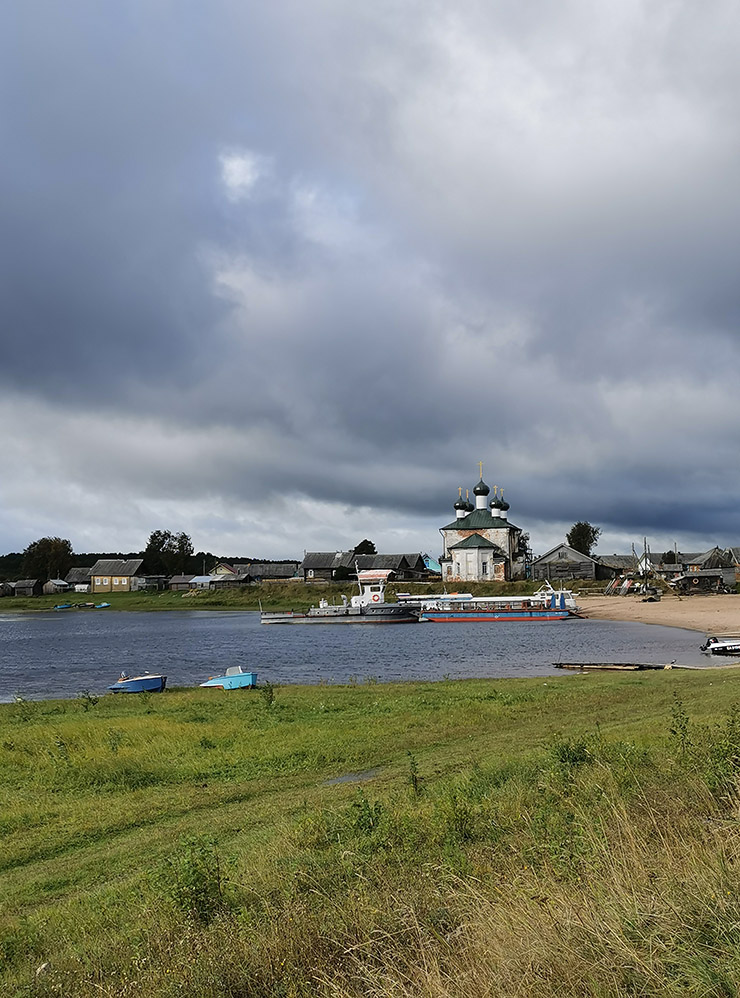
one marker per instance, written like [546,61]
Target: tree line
[166,553]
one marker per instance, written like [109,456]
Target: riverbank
[562,837]
[708,614]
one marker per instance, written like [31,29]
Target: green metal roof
[475,541]
[479,519]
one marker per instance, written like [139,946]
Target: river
[49,655]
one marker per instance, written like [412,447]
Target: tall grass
[578,838]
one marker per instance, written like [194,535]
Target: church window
[484,568]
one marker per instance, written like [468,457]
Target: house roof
[321,559]
[269,569]
[618,561]
[117,566]
[480,519]
[181,579]
[579,555]
[477,541]
[77,576]
[714,558]
[25,583]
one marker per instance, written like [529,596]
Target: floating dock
[610,666]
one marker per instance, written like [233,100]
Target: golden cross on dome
[459,491]
[480,465]
[494,491]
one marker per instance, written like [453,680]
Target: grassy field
[272,596]
[574,836]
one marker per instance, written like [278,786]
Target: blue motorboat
[235,678]
[147,683]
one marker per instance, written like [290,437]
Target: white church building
[481,544]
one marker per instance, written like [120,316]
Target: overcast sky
[280,274]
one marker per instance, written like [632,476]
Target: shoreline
[704,614]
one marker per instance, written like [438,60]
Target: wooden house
[54,586]
[114,575]
[564,562]
[234,580]
[29,587]
[79,579]
[320,566]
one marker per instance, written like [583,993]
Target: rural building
[481,543]
[259,571]
[54,586]
[114,575]
[29,587]
[181,582]
[231,581]
[320,566]
[79,579]
[564,562]
[323,566]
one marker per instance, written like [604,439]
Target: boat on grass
[369,607]
[147,683]
[235,678]
[546,604]
[81,606]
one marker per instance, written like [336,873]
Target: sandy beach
[708,614]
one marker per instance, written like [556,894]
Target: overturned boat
[369,607]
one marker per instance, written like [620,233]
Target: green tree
[365,547]
[47,558]
[582,536]
[167,553]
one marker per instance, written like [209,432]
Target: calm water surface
[59,654]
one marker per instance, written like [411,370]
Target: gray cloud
[259,253]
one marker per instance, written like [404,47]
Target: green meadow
[569,836]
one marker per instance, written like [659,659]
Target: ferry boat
[368,607]
[546,604]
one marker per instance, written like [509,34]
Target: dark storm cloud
[341,254]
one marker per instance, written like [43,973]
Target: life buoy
[695,582]
[376,598]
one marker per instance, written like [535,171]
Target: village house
[79,579]
[325,566]
[114,575]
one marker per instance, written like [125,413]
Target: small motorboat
[721,646]
[235,678]
[147,683]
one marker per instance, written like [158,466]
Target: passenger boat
[721,646]
[546,604]
[369,607]
[147,683]
[235,678]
